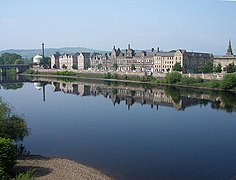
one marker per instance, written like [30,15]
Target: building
[79,61]
[131,60]
[189,61]
[228,58]
[83,61]
[123,61]
[55,61]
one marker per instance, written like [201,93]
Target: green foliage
[115,66]
[177,67]
[229,81]
[19,61]
[208,67]
[173,77]
[87,65]
[9,58]
[99,66]
[66,73]
[133,67]
[29,175]
[29,71]
[46,60]
[8,155]
[218,68]
[108,76]
[231,68]
[64,66]
[74,66]
[11,125]
[188,80]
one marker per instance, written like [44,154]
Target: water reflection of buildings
[130,95]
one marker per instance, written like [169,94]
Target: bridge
[18,67]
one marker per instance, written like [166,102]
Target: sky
[195,25]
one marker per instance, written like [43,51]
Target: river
[129,131]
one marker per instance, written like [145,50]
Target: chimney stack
[158,49]
[43,50]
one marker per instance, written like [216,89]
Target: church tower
[229,50]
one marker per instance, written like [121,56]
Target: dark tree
[177,67]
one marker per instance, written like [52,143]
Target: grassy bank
[173,79]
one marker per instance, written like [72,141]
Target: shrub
[173,77]
[29,71]
[7,157]
[29,175]
[108,76]
[188,80]
[66,73]
[229,81]
[13,127]
[214,84]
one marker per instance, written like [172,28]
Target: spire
[229,50]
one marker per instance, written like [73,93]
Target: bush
[29,71]
[26,176]
[229,81]
[13,127]
[214,84]
[7,157]
[188,80]
[173,77]
[66,73]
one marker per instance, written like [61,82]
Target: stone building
[55,61]
[228,58]
[149,61]
[190,61]
[141,61]
[78,61]
[83,61]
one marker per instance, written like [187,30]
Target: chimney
[158,49]
[43,50]
[152,49]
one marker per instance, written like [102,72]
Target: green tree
[229,81]
[99,66]
[46,61]
[11,125]
[177,67]
[74,66]
[115,66]
[231,68]
[173,77]
[19,61]
[208,67]
[218,68]
[133,67]
[9,58]
[64,66]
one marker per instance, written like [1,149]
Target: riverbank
[184,82]
[58,168]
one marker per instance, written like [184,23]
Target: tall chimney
[43,50]
[158,49]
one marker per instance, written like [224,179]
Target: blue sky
[203,25]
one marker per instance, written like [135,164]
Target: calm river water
[130,131]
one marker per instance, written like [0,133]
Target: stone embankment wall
[214,76]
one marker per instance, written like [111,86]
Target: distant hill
[29,53]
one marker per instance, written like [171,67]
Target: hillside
[29,53]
